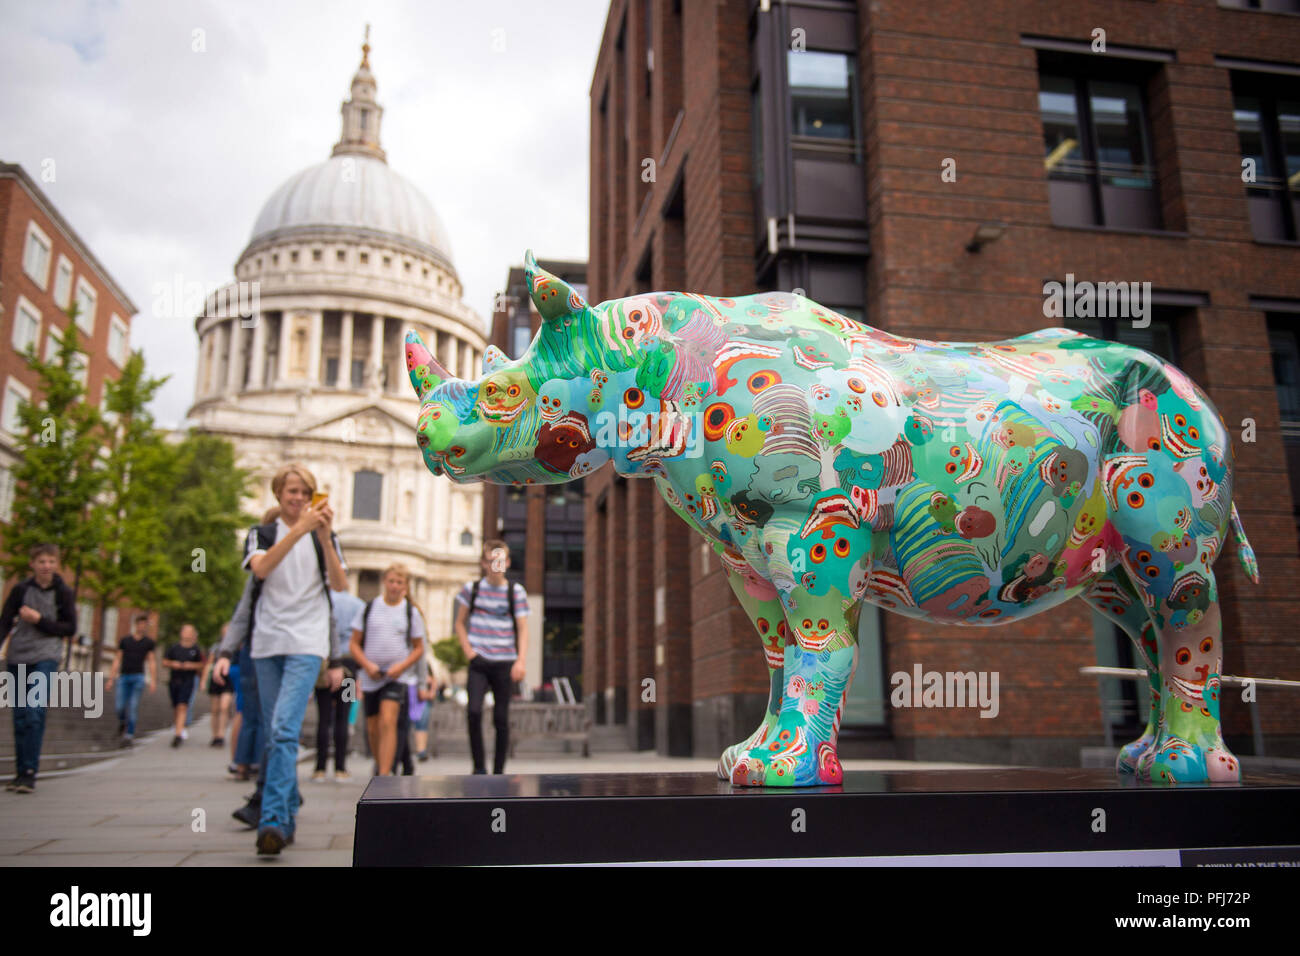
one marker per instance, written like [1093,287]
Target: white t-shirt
[292,615]
[387,642]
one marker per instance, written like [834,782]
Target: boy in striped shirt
[493,632]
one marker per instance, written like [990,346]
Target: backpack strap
[266,535]
[365,619]
[514,621]
[320,563]
[473,599]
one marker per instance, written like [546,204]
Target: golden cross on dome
[365,48]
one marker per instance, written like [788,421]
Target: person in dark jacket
[38,615]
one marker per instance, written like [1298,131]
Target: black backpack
[510,596]
[266,535]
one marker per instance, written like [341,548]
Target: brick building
[542,524]
[44,267]
[927,168]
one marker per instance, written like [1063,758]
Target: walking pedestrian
[135,652]
[183,660]
[297,562]
[220,697]
[333,705]
[492,628]
[39,613]
[387,643]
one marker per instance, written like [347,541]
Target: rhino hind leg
[768,617]
[800,750]
[1189,745]
[1113,596]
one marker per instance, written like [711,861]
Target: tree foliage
[128,563]
[204,521]
[58,474]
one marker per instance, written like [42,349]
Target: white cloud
[165,155]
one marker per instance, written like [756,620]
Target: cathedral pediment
[367,422]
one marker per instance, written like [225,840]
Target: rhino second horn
[419,357]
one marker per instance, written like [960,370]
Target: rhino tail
[1245,553]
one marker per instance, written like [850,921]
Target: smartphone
[319,498]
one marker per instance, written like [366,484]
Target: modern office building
[928,169]
[302,358]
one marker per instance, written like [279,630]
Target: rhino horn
[426,374]
[555,299]
[493,360]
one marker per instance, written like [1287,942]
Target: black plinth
[613,818]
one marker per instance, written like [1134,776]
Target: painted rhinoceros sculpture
[830,463]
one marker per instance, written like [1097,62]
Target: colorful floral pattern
[829,463]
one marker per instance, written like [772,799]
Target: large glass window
[86,302]
[36,255]
[1097,153]
[822,116]
[1268,131]
[367,493]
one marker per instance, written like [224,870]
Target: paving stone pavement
[142,808]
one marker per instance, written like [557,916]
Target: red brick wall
[951,79]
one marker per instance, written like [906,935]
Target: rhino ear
[426,374]
[494,360]
[555,299]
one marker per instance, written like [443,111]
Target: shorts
[215,689]
[180,691]
[393,690]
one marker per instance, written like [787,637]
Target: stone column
[376,360]
[258,353]
[345,351]
[282,359]
[233,370]
[315,347]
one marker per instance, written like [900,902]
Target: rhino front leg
[800,750]
[768,617]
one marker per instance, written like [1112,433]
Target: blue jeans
[284,684]
[127,695]
[189,709]
[29,722]
[252,742]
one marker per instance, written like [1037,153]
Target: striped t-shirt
[491,631]
[386,640]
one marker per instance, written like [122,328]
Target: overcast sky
[164,155]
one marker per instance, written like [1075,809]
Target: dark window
[521,336]
[1284,338]
[1267,113]
[367,490]
[822,115]
[332,370]
[756,130]
[358,373]
[1158,338]
[515,542]
[1096,150]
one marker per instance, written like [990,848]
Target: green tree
[449,651]
[130,563]
[204,521]
[57,476]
